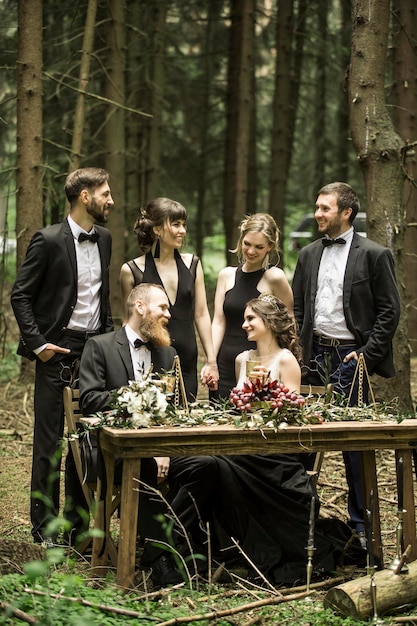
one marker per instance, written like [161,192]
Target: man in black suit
[108,363]
[60,298]
[346,302]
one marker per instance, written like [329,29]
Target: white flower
[255,421]
[140,403]
[141,420]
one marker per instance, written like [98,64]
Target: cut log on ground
[354,598]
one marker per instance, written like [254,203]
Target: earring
[265,263]
[157,252]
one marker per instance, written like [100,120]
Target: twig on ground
[100,607]
[252,564]
[235,610]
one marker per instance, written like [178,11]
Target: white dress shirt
[86,314]
[141,357]
[329,317]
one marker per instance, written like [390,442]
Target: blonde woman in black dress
[257,251]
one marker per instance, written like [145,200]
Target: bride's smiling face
[253,325]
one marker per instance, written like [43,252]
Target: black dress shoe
[164,573]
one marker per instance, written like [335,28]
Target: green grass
[51,603]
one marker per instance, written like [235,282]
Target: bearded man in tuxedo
[108,363]
[346,303]
[61,298]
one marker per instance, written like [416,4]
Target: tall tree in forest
[342,146]
[320,140]
[282,111]
[115,144]
[405,119]
[288,67]
[204,217]
[156,85]
[79,116]
[29,209]
[252,193]
[238,109]
[378,148]
[135,149]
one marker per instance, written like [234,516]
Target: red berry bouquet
[269,402]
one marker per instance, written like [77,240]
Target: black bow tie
[84,237]
[139,343]
[329,242]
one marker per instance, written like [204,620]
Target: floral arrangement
[259,404]
[270,403]
[139,404]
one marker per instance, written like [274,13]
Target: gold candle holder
[375,619]
[309,570]
[397,564]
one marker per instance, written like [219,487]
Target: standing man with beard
[346,303]
[108,363]
[61,298]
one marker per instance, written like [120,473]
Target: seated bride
[264,500]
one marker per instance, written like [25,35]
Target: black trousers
[188,502]
[326,366]
[50,379]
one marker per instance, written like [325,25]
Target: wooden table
[132,445]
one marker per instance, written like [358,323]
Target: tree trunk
[157,92]
[79,117]
[238,108]
[378,148]
[135,126]
[115,147]
[405,119]
[29,209]
[252,194]
[320,138]
[282,112]
[342,147]
[204,219]
[29,170]
[287,76]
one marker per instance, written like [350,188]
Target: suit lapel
[315,264]
[69,243]
[350,271]
[124,351]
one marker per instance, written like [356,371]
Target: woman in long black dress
[264,501]
[256,249]
[161,229]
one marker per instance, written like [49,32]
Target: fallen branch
[234,611]
[93,605]
[24,617]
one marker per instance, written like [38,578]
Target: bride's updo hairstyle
[158,212]
[275,316]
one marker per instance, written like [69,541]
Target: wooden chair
[72,415]
[314,393]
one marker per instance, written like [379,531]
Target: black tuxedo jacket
[370,300]
[106,365]
[45,291]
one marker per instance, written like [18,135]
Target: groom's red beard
[154,330]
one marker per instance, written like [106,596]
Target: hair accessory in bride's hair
[272,300]
[142,211]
